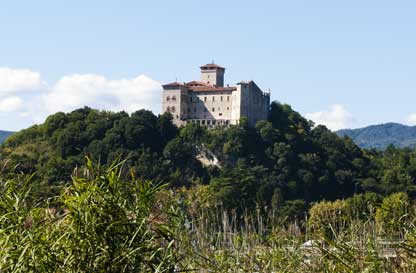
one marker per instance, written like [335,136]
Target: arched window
[173,109]
[173,97]
[168,109]
[167,98]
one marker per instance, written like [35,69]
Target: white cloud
[10,104]
[411,119]
[69,93]
[18,80]
[335,118]
[75,91]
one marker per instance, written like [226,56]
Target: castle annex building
[209,102]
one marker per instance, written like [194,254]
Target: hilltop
[382,135]
[282,159]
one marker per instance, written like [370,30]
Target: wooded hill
[284,163]
[382,135]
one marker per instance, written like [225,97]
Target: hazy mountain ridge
[4,135]
[382,135]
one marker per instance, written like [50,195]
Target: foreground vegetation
[284,196]
[102,222]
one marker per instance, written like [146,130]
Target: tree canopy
[284,162]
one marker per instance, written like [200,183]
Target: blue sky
[341,63]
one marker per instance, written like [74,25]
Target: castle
[209,102]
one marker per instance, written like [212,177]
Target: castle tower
[208,102]
[213,74]
[174,101]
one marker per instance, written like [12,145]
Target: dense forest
[284,163]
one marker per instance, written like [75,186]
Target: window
[173,109]
[228,108]
[189,110]
[221,98]
[205,99]
[167,98]
[174,97]
[168,109]
[220,114]
[228,98]
[213,109]
[194,109]
[213,98]
[205,109]
[190,99]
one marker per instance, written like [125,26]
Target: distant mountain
[380,136]
[4,135]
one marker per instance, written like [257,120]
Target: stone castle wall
[215,105]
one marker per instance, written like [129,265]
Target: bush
[103,224]
[393,211]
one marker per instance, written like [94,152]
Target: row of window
[205,116]
[205,109]
[168,98]
[171,109]
[205,98]
[210,122]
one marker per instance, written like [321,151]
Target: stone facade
[209,102]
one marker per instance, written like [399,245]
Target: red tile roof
[173,84]
[197,83]
[210,89]
[212,66]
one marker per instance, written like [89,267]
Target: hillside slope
[282,163]
[283,159]
[4,135]
[382,135]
